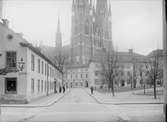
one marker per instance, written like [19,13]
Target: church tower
[103,23]
[91,30]
[80,36]
[58,37]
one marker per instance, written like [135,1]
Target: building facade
[25,72]
[77,76]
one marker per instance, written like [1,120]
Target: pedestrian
[59,89]
[63,89]
[91,89]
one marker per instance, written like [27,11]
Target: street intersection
[78,105]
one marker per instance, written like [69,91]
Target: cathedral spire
[58,26]
[73,5]
[58,36]
[101,8]
[109,10]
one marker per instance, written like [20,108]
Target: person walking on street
[63,88]
[91,89]
[59,89]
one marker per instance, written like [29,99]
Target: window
[42,85]
[32,86]
[87,28]
[38,85]
[81,75]
[86,75]
[45,70]
[11,59]
[38,65]
[32,62]
[45,85]
[96,73]
[50,85]
[42,67]
[11,85]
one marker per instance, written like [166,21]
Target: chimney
[130,51]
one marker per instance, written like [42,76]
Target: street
[78,105]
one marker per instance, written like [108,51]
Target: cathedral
[91,39]
[91,35]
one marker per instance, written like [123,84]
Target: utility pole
[165,52]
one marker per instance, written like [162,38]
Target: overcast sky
[136,24]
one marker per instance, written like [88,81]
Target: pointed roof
[58,26]
[101,4]
[109,9]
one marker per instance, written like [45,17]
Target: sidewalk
[41,102]
[129,97]
[21,112]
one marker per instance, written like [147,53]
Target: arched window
[87,27]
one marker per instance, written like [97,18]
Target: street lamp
[21,64]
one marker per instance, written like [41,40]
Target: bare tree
[60,60]
[153,72]
[109,66]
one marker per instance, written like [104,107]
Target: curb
[37,106]
[118,103]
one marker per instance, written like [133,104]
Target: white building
[77,75]
[84,75]
[25,73]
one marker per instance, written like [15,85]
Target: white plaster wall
[37,76]
[24,77]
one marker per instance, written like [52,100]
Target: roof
[38,52]
[129,57]
[19,35]
[158,52]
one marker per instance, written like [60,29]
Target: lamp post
[21,65]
